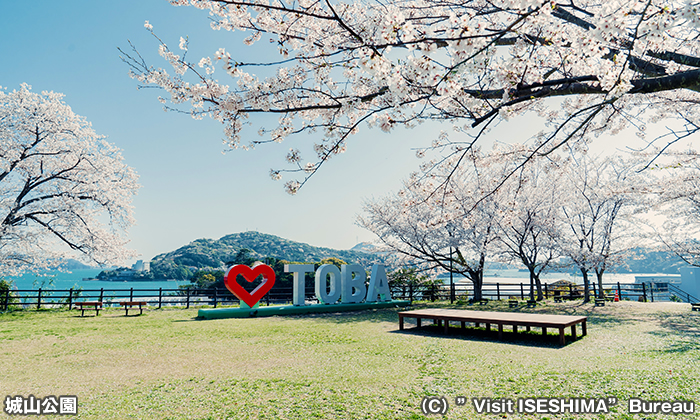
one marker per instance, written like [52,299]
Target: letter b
[353,288]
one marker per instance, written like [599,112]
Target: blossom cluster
[400,63]
[64,190]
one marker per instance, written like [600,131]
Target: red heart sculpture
[250,274]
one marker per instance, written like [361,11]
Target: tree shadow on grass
[341,317]
[367,315]
[685,330]
[390,315]
[531,338]
[681,347]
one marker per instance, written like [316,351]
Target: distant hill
[71,264]
[365,247]
[204,254]
[641,260]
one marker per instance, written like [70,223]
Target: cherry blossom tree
[527,225]
[64,191]
[677,188]
[599,199]
[586,68]
[445,216]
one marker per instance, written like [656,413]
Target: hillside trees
[64,191]
[584,68]
[600,195]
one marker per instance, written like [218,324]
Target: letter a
[378,285]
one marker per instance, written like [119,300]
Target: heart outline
[250,274]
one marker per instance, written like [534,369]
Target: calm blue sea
[56,280]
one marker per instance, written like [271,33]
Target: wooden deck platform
[514,319]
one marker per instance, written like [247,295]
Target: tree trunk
[586,285]
[599,275]
[538,283]
[532,283]
[477,278]
[476,275]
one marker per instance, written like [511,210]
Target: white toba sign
[346,284]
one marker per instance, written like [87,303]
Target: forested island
[239,248]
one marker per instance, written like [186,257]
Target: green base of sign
[295,310]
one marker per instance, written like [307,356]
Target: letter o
[322,293]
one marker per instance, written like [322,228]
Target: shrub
[7,298]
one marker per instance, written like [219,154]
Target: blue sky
[190,189]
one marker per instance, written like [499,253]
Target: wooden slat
[514,319]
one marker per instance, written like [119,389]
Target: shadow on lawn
[522,338]
[596,317]
[391,315]
[368,315]
[684,328]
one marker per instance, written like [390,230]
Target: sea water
[77,280]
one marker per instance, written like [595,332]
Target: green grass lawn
[166,364]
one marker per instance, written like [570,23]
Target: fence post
[216,296]
[38,299]
[131,294]
[644,291]
[267,298]
[410,293]
[651,291]
[7,298]
[522,292]
[546,291]
[102,293]
[160,297]
[188,298]
[619,291]
[595,295]
[452,293]
[498,291]
[571,291]
[70,299]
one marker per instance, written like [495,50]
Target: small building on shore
[685,286]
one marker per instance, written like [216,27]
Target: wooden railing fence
[188,297]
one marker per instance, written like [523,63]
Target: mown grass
[168,365]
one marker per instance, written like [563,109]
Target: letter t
[299,288]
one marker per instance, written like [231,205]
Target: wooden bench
[599,302]
[513,303]
[88,305]
[515,319]
[695,306]
[131,304]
